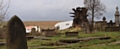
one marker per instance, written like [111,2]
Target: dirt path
[116,42]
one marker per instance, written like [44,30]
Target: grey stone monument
[117,17]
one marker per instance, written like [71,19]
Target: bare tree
[4,6]
[95,9]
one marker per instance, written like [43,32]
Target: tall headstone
[104,23]
[16,34]
[117,17]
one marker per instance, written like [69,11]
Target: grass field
[113,43]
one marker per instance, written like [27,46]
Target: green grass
[97,34]
[88,44]
[3,47]
[103,47]
[92,44]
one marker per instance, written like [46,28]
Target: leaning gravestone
[16,34]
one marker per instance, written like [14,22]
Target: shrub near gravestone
[16,34]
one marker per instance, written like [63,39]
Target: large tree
[95,9]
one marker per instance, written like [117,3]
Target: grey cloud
[53,9]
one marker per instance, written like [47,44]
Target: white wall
[64,25]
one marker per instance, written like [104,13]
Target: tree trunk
[87,28]
[92,24]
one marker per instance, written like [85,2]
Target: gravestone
[33,32]
[49,32]
[16,34]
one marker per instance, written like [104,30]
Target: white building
[64,25]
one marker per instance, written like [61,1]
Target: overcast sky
[50,10]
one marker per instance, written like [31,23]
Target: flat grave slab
[75,40]
[71,33]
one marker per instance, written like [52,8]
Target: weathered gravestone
[49,32]
[16,34]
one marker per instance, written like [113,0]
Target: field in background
[42,24]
